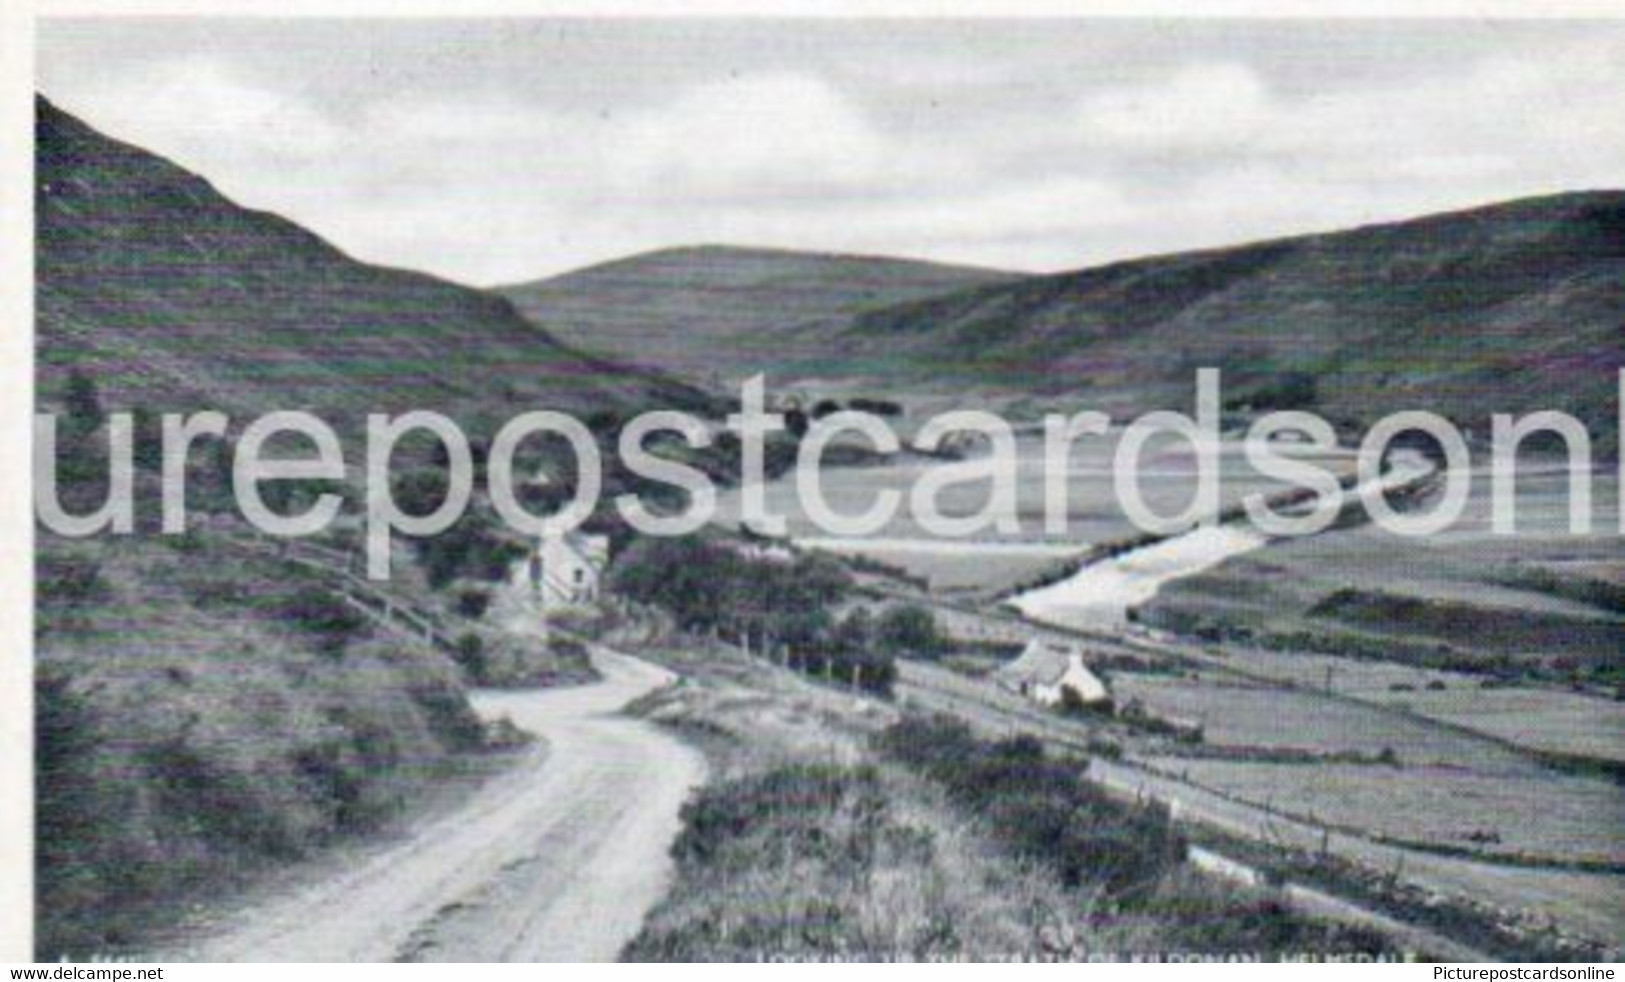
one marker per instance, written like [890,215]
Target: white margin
[16,502]
[17,287]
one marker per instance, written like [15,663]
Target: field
[1244,715]
[1530,603]
[1548,719]
[1439,786]
[993,562]
[1533,815]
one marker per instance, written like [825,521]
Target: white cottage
[1047,668]
[564,569]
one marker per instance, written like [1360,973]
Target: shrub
[147,448]
[473,604]
[792,799]
[471,547]
[88,881]
[1288,390]
[324,614]
[83,402]
[826,836]
[1041,809]
[69,580]
[879,407]
[568,649]
[469,653]
[420,491]
[911,629]
[290,496]
[855,632]
[707,586]
[1072,703]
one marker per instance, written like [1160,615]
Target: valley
[1502,764]
[1406,745]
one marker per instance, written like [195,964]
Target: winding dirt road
[557,859]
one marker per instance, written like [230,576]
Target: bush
[420,491]
[147,439]
[878,407]
[291,496]
[324,614]
[469,653]
[797,796]
[83,403]
[1594,591]
[1041,808]
[707,586]
[1288,390]
[473,604]
[911,630]
[472,548]
[826,835]
[855,632]
[69,580]
[568,649]
[68,798]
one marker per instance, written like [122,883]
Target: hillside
[207,715]
[204,714]
[718,313]
[1505,308]
[173,297]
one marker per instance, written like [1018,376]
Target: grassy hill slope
[1505,308]
[172,297]
[719,313]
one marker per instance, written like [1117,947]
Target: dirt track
[557,859]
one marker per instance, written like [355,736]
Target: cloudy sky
[494,151]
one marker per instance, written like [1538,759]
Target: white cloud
[749,134]
[201,107]
[1199,107]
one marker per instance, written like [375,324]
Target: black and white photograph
[654,488]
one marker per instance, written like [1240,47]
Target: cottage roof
[590,549]
[1041,663]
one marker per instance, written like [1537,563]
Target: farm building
[1046,669]
[564,569]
